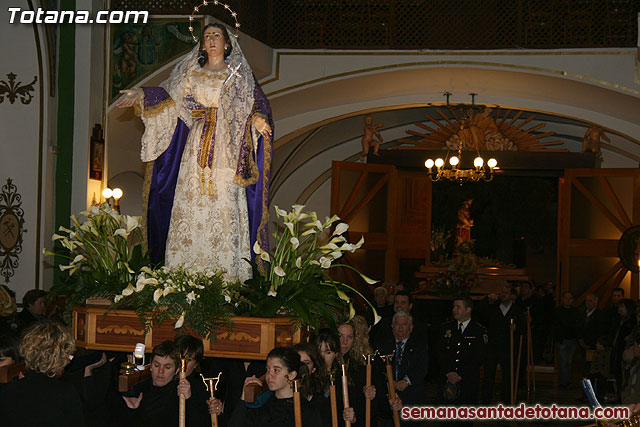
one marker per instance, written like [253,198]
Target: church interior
[368,178]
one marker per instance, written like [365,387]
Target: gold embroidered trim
[154,110]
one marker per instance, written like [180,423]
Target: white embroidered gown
[209,230]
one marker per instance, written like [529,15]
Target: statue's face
[368,120]
[214,43]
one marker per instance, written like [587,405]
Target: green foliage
[200,300]
[105,253]
[296,281]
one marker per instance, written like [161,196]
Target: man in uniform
[461,347]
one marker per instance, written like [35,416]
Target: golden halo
[215,3]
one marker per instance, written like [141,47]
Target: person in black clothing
[531,302]
[192,349]
[593,326]
[156,400]
[381,332]
[231,385]
[410,360]
[33,309]
[274,408]
[500,317]
[40,399]
[610,313]
[627,316]
[380,298]
[566,329]
[461,348]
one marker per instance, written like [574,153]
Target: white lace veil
[240,80]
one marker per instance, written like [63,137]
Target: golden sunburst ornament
[204,3]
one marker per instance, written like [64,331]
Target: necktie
[460,328]
[398,358]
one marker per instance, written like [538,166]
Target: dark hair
[9,347]
[167,349]
[326,336]
[617,289]
[406,293]
[319,378]
[466,301]
[202,54]
[32,296]
[630,306]
[191,346]
[291,360]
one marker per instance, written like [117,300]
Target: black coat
[413,364]
[274,413]
[463,354]
[40,401]
[593,327]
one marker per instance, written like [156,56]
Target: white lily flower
[117,298]
[328,221]
[352,311]
[299,262]
[256,248]
[290,227]
[272,293]
[77,259]
[191,297]
[359,244]
[94,210]
[265,257]
[65,229]
[157,294]
[294,242]
[280,212]
[309,231]
[146,269]
[128,290]
[343,296]
[121,232]
[227,298]
[341,228]
[297,209]
[132,222]
[325,262]
[348,247]
[338,239]
[168,290]
[147,280]
[180,321]
[129,268]
[314,262]
[66,267]
[279,271]
[377,318]
[313,216]
[368,280]
[335,255]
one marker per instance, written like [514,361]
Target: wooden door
[599,214]
[358,198]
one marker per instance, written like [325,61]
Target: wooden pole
[345,392]
[515,390]
[183,399]
[296,404]
[367,409]
[334,403]
[391,385]
[511,359]
[211,388]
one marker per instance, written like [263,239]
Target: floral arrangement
[451,283]
[296,280]
[104,251]
[199,299]
[439,239]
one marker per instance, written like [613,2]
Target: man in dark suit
[461,348]
[593,326]
[500,318]
[410,360]
[382,332]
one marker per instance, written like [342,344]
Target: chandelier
[449,167]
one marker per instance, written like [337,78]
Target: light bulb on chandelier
[458,174]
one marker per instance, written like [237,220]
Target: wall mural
[11,229]
[137,50]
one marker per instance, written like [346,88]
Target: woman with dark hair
[208,131]
[274,408]
[46,348]
[8,350]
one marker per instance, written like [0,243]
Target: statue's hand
[131,97]
[262,126]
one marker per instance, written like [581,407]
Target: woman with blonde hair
[46,348]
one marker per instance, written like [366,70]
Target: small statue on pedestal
[463,229]
[591,140]
[370,130]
